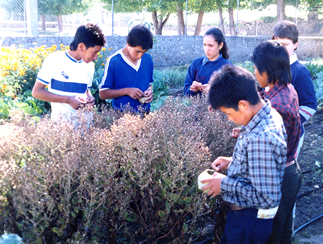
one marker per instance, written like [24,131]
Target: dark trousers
[244,227]
[283,221]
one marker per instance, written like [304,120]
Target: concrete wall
[178,50]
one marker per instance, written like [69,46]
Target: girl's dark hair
[141,36]
[219,38]
[89,34]
[272,57]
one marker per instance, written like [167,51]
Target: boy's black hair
[219,38]
[230,85]
[272,57]
[89,34]
[286,29]
[141,36]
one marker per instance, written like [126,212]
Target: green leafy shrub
[248,65]
[163,80]
[123,179]
[24,102]
[318,84]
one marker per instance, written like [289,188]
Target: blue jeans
[243,226]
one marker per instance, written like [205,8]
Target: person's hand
[76,102]
[90,101]
[134,93]
[205,87]
[148,94]
[196,86]
[235,132]
[221,163]
[213,184]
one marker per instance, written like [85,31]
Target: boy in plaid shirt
[252,186]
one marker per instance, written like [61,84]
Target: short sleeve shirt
[66,76]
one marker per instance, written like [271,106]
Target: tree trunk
[281,10]
[60,22]
[199,23]
[43,23]
[159,23]
[221,26]
[231,22]
[180,20]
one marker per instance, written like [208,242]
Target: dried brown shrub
[123,177]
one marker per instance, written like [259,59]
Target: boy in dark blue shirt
[128,73]
[286,33]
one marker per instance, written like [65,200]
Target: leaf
[161,213]
[184,228]
[318,164]
[129,219]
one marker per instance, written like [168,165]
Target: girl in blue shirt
[200,71]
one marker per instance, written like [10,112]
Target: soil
[309,204]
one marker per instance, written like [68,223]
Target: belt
[290,163]
[235,207]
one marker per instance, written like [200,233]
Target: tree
[180,17]
[63,7]
[180,21]
[231,4]
[281,10]
[220,13]
[160,9]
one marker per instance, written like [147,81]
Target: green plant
[318,84]
[314,66]
[268,19]
[25,103]
[248,65]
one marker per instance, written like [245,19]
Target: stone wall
[178,50]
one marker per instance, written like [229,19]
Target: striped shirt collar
[206,60]
[73,59]
[293,59]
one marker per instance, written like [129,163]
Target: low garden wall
[178,50]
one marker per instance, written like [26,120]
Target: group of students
[263,176]
[65,78]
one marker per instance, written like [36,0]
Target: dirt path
[309,204]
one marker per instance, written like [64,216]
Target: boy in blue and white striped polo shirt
[69,74]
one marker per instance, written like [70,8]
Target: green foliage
[248,65]
[25,103]
[316,69]
[269,19]
[123,178]
[100,63]
[165,79]
[314,66]
[318,84]
[59,7]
